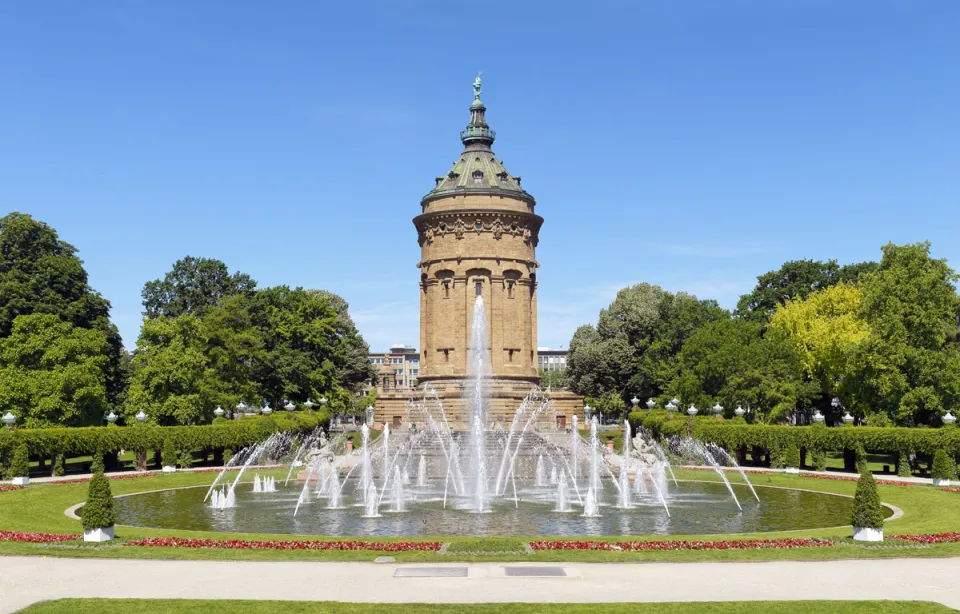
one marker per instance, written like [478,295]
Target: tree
[193,286]
[943,466]
[632,349]
[734,362]
[867,511]
[796,279]
[98,512]
[555,378]
[20,463]
[353,359]
[172,379]
[825,327]
[53,373]
[909,368]
[41,274]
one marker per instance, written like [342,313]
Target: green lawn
[39,508]
[183,606]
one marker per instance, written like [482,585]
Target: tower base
[503,397]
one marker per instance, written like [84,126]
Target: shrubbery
[20,463]
[98,512]
[169,454]
[818,459]
[867,511]
[80,441]
[733,434]
[903,465]
[943,467]
[791,457]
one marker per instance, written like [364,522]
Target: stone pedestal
[98,535]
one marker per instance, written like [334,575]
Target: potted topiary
[20,465]
[97,514]
[944,469]
[169,456]
[867,512]
[903,465]
[791,458]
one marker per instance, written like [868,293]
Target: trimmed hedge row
[736,433]
[232,434]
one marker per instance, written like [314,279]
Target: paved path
[26,580]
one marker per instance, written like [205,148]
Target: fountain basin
[697,508]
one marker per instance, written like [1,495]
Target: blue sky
[693,144]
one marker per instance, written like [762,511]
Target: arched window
[477,177]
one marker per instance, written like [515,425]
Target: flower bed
[36,538]
[938,538]
[5,488]
[639,546]
[241,544]
[844,478]
[147,474]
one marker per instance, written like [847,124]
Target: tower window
[479,286]
[477,176]
[502,177]
[478,225]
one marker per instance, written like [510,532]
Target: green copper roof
[478,167]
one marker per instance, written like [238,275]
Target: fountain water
[370,506]
[563,494]
[396,493]
[478,371]
[422,472]
[333,501]
[590,508]
[625,468]
[541,475]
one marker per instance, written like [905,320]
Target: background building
[399,368]
[551,360]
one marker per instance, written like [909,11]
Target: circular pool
[695,508]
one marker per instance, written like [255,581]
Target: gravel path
[26,580]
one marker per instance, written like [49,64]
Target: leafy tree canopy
[825,328]
[41,274]
[193,286]
[796,279]
[53,373]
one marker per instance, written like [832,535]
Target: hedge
[82,441]
[736,433]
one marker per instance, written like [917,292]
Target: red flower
[36,538]
[241,544]
[639,546]
[10,487]
[937,538]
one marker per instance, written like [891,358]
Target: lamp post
[717,409]
[218,412]
[323,402]
[141,417]
[9,420]
[847,418]
[241,408]
[671,407]
[651,404]
[739,411]
[948,419]
[266,411]
[635,402]
[112,417]
[289,406]
[308,405]
[692,411]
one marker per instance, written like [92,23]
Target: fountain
[504,470]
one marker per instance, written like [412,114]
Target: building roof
[478,169]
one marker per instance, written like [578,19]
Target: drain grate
[534,572]
[430,572]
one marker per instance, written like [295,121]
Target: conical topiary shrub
[97,514]
[867,518]
[903,465]
[944,469]
[861,459]
[819,459]
[59,467]
[791,458]
[169,456]
[20,465]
